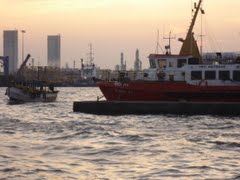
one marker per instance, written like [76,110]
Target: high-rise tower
[10,49]
[54,51]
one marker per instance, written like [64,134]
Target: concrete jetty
[142,108]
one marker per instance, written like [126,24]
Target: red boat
[182,77]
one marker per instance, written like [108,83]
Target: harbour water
[50,141]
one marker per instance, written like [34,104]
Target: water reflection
[50,141]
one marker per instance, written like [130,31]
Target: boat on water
[178,78]
[30,91]
[88,74]
[89,71]
[34,91]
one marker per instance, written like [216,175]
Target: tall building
[54,51]
[10,49]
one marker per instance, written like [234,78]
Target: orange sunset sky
[115,26]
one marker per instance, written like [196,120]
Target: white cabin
[188,69]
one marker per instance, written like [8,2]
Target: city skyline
[116,26]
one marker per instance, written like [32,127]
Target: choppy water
[50,141]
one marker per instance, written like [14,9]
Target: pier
[153,108]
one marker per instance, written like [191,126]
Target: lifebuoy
[203,82]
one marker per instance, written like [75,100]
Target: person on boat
[51,87]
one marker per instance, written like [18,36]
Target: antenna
[192,9]
[201,36]
[239,34]
[158,44]
[168,47]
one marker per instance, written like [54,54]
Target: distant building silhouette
[137,62]
[10,49]
[54,51]
[123,65]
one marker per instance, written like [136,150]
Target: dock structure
[154,108]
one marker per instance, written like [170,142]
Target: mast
[201,36]
[168,47]
[190,46]
[158,44]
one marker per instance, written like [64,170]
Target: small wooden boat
[35,91]
[30,91]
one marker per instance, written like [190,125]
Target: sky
[115,26]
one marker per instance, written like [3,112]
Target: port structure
[4,60]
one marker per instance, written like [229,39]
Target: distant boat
[89,72]
[30,91]
[34,91]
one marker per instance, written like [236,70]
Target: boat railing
[132,75]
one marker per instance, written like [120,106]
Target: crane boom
[20,70]
[189,46]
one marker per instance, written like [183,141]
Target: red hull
[168,91]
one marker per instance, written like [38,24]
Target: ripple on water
[225,145]
[50,141]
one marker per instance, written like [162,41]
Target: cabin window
[224,75]
[193,61]
[171,64]
[236,75]
[145,75]
[181,62]
[162,63]
[196,75]
[210,75]
[152,63]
